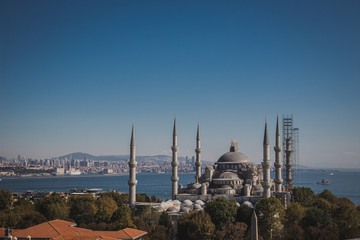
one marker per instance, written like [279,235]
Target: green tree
[303,195]
[270,214]
[347,217]
[315,217]
[6,199]
[323,204]
[221,211]
[24,203]
[106,206]
[321,233]
[121,218]
[165,220]
[160,232]
[140,224]
[142,197]
[232,231]
[155,199]
[9,219]
[150,216]
[52,207]
[119,198]
[294,214]
[195,226]
[29,218]
[328,196]
[244,214]
[293,232]
[83,209]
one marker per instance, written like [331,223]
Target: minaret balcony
[174,179]
[266,185]
[132,164]
[174,148]
[198,150]
[277,165]
[266,164]
[132,183]
[278,181]
[277,148]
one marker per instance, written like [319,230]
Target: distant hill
[78,155]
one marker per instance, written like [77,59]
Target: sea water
[343,183]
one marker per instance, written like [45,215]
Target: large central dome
[233,157]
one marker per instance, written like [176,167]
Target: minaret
[198,152]
[277,163]
[288,178]
[266,164]
[132,164]
[174,164]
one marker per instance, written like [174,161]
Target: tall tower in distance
[132,164]
[288,164]
[266,164]
[198,152]
[277,163]
[290,152]
[174,163]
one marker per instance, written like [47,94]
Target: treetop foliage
[221,211]
[5,199]
[303,195]
[195,226]
[309,216]
[270,213]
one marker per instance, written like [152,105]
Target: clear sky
[74,74]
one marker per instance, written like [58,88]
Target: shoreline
[81,175]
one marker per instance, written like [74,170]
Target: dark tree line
[106,212]
[309,216]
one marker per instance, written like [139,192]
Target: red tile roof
[60,229]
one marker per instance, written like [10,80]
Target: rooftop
[60,229]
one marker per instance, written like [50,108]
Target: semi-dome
[229,176]
[233,157]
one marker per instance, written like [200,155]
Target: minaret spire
[266,164]
[277,163]
[266,138]
[174,163]
[132,164]
[198,152]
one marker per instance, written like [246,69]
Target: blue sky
[74,74]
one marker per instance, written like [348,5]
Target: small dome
[185,209]
[188,202]
[200,202]
[233,157]
[229,175]
[173,209]
[194,185]
[197,206]
[247,203]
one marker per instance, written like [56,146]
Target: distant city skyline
[74,75]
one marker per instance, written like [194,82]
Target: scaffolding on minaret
[291,133]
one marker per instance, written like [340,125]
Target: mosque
[233,176]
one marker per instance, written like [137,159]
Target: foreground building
[65,230]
